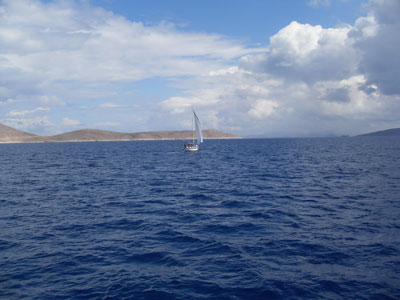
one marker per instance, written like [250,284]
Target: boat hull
[191,147]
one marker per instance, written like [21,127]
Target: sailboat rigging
[196,128]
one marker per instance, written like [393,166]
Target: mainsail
[199,133]
[196,127]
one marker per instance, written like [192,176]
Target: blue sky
[253,21]
[254,68]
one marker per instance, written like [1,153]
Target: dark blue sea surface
[240,219]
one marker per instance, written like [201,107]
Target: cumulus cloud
[65,42]
[50,100]
[311,80]
[70,122]
[377,39]
[226,99]
[61,53]
[308,80]
[7,102]
[263,108]
[307,53]
[30,124]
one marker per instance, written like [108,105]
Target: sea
[304,218]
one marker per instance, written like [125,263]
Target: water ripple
[245,219]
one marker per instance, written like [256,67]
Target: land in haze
[388,132]
[11,135]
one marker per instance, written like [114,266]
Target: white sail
[199,133]
[196,127]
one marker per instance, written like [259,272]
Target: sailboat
[196,128]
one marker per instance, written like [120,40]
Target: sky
[256,68]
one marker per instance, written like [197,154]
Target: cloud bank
[64,52]
[66,64]
[312,81]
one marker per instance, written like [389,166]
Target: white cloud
[348,99]
[111,105]
[64,42]
[70,122]
[316,3]
[226,99]
[50,100]
[29,124]
[309,80]
[306,53]
[64,53]
[15,113]
[7,102]
[378,42]
[263,108]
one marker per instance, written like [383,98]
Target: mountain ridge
[11,135]
[387,132]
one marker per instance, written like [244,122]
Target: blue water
[240,219]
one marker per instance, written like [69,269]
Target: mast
[193,124]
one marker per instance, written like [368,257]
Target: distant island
[11,135]
[388,132]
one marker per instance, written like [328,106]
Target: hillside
[102,135]
[388,132]
[88,135]
[10,135]
[182,135]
